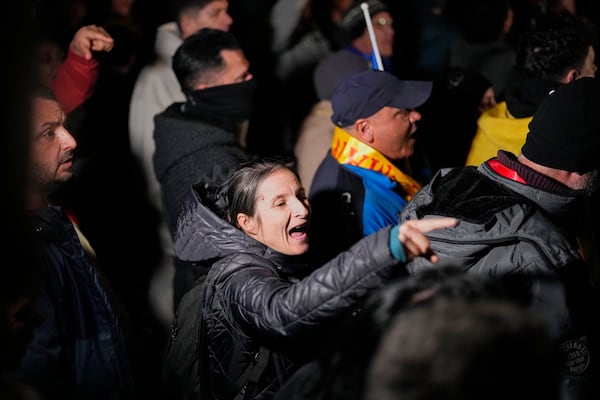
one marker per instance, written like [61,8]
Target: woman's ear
[246,223]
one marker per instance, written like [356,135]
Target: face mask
[225,105]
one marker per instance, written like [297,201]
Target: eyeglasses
[383,22]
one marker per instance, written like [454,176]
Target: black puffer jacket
[256,296]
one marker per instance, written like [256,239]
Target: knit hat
[353,21]
[335,67]
[366,92]
[565,130]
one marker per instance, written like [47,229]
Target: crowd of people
[385,199]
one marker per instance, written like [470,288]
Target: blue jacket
[348,203]
[78,352]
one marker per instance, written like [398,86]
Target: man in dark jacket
[79,351]
[527,215]
[201,140]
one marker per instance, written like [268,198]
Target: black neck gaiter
[226,106]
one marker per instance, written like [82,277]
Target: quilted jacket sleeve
[276,309]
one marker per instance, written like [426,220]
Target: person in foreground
[342,371]
[486,349]
[260,293]
[526,215]
[80,349]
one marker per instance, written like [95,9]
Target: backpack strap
[253,372]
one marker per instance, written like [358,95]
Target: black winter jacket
[257,297]
[189,151]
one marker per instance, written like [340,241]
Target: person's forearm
[75,81]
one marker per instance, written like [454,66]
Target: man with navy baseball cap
[364,181]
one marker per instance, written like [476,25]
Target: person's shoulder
[153,74]
[496,114]
[169,26]
[343,58]
[328,162]
[168,39]
[173,110]
[243,262]
[48,220]
[331,173]
[326,174]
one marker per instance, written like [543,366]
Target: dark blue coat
[78,352]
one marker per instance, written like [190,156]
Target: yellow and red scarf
[349,150]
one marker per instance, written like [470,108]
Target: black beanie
[565,130]
[353,21]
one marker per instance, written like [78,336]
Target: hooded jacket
[505,126]
[497,129]
[155,89]
[507,228]
[256,296]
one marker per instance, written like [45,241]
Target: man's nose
[414,116]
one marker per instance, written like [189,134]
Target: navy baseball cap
[366,92]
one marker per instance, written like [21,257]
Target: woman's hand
[412,236]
